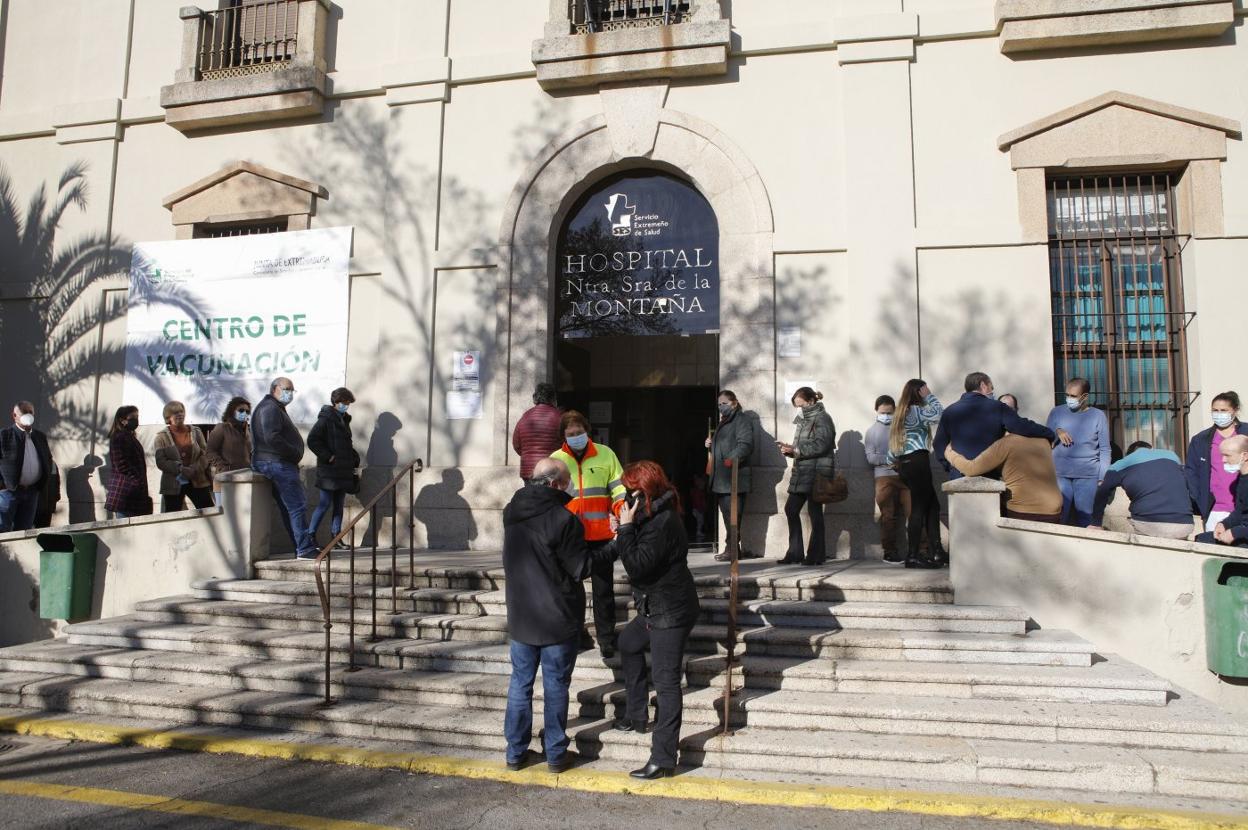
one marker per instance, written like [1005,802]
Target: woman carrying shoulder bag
[812,451]
[652,544]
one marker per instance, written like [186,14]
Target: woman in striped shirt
[909,450]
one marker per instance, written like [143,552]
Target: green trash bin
[1226,616]
[66,575]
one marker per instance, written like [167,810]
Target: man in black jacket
[25,466]
[546,562]
[976,420]
[276,450]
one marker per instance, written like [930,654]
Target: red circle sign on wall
[468,359]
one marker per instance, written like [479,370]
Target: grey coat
[814,445]
[734,439]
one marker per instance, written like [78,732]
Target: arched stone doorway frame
[632,136]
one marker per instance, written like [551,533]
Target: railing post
[734,549]
[394,550]
[329,624]
[411,525]
[313,22]
[188,68]
[372,526]
[351,666]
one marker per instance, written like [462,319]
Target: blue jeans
[17,509]
[1077,497]
[336,499]
[291,503]
[557,662]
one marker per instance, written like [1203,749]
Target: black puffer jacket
[336,458]
[655,553]
[815,445]
[546,561]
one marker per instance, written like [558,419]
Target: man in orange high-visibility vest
[597,495]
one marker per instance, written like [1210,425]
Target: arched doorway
[636,318]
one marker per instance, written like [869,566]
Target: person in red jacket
[537,433]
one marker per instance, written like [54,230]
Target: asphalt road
[204,792]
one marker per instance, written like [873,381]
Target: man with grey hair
[276,450]
[546,562]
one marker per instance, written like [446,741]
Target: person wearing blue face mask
[1233,528]
[276,450]
[336,461]
[892,495]
[975,421]
[229,443]
[1082,454]
[1207,483]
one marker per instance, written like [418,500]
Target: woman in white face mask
[1207,483]
[229,443]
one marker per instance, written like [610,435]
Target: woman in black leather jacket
[652,544]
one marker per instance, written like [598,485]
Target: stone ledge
[290,92]
[680,50]
[87,527]
[973,484]
[1034,25]
[1177,545]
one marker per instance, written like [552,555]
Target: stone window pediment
[604,41]
[244,193]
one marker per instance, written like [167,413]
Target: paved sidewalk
[200,791]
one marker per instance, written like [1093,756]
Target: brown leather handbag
[829,490]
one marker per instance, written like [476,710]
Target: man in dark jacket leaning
[976,420]
[546,562]
[276,450]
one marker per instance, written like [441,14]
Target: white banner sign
[209,319]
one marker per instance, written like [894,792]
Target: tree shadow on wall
[65,293]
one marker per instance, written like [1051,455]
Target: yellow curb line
[177,806]
[693,788]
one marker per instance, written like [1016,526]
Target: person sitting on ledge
[1154,481]
[1233,530]
[1026,470]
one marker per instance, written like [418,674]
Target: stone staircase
[855,668]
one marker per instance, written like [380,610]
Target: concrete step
[1039,648]
[1187,724]
[795,751]
[837,581]
[878,615]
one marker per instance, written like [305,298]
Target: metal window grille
[247,37]
[1117,293]
[215,231]
[607,15]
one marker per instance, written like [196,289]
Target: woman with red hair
[652,544]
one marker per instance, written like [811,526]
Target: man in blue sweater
[977,420]
[1154,481]
[1233,530]
[1082,455]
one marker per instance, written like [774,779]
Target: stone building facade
[900,188]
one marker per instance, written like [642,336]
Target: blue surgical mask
[992,396]
[286,396]
[884,419]
[1073,403]
[242,416]
[1231,468]
[342,407]
[579,442]
[1223,419]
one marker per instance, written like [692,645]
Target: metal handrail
[323,584]
[734,579]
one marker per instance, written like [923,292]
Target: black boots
[651,771]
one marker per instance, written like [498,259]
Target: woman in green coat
[732,446]
[812,453]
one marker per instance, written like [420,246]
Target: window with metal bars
[1117,298]
[606,15]
[213,230]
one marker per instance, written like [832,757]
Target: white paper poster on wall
[209,319]
[463,399]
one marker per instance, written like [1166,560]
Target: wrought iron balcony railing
[247,38]
[589,16]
